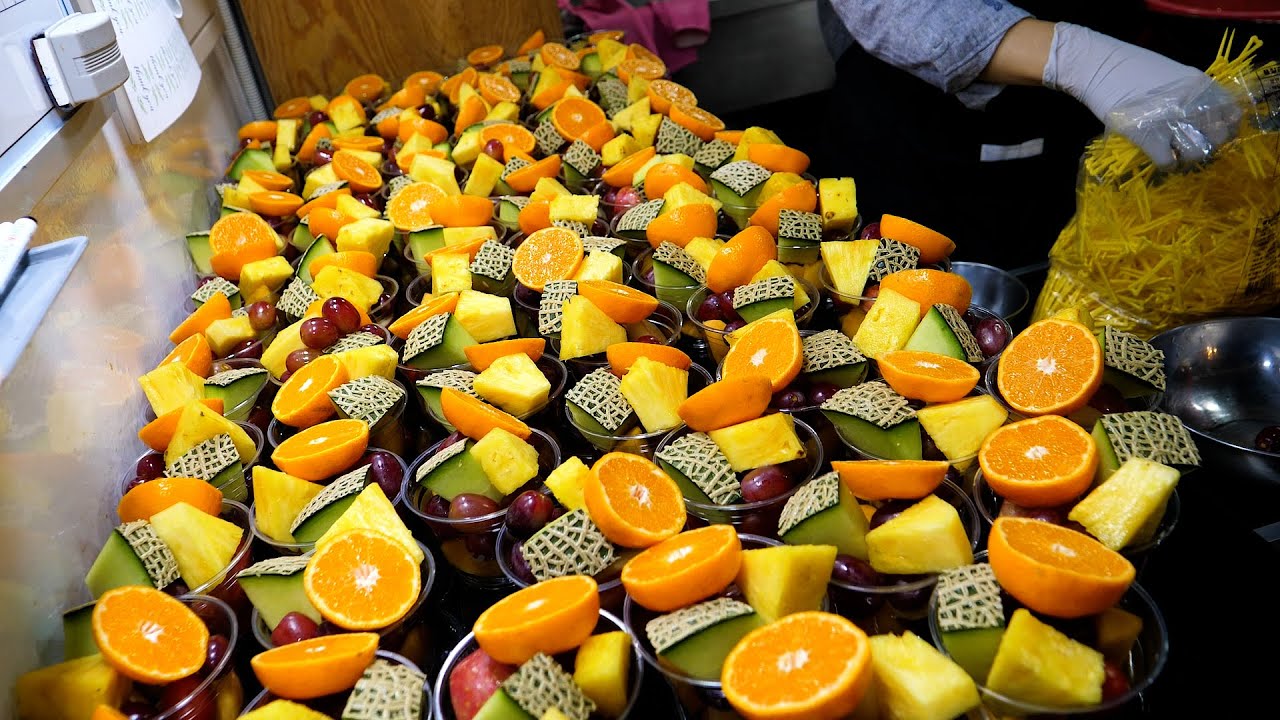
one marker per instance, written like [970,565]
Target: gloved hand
[1174,112]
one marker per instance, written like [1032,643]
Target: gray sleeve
[946,43]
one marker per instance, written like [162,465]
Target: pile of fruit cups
[653,396]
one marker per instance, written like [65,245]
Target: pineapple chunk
[617,149]
[646,129]
[959,428]
[573,91]
[767,440]
[234,197]
[508,461]
[285,342]
[586,330]
[1134,497]
[318,178]
[548,189]
[682,193]
[927,537]
[419,143]
[286,143]
[372,360]
[773,268]
[755,135]
[1037,664]
[260,278]
[849,264]
[838,203]
[318,102]
[515,384]
[578,208]
[656,391]
[778,182]
[888,325]
[611,53]
[485,317]
[225,334]
[369,234]
[600,671]
[1077,313]
[335,281]
[69,690]
[373,511]
[450,272]
[277,499]
[484,176]
[566,483]
[198,423]
[170,387]
[435,170]
[914,681]
[202,544]
[600,265]
[627,117]
[778,581]
[248,186]
[505,110]
[553,714]
[283,710]
[704,250]
[354,209]
[464,235]
[637,88]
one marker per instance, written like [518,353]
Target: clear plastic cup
[240,412]
[609,580]
[224,585]
[238,488]
[663,325]
[676,295]
[383,312]
[221,686]
[643,443]
[552,369]
[389,433]
[716,338]
[333,705]
[1145,662]
[614,212]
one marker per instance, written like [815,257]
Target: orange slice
[495,89]
[472,110]
[550,617]
[549,254]
[526,179]
[933,245]
[800,196]
[303,400]
[1041,462]
[1052,367]
[930,287]
[927,376]
[623,355]
[469,248]
[358,142]
[452,85]
[215,308]
[405,324]
[237,240]
[461,211]
[409,210]
[360,175]
[260,130]
[664,176]
[534,217]
[531,43]
[512,137]
[274,203]
[696,120]
[621,174]
[741,258]
[633,501]
[317,667]
[663,93]
[622,304]
[485,55]
[636,50]
[555,55]
[195,353]
[427,80]
[268,179]
[430,129]
[365,263]
[727,402]
[682,225]
[891,479]
[327,222]
[573,116]
[475,418]
[483,355]
[1055,570]
[684,569]
[806,665]
[599,134]
[769,347]
[149,636]
[307,151]
[366,88]
[292,108]
[322,451]
[733,137]
[158,433]
[363,579]
[152,496]
[328,200]
[405,97]
[640,67]
[106,712]
[778,158]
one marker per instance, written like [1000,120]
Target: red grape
[318,333]
[1268,439]
[322,157]
[727,313]
[519,566]
[493,149]
[870,232]
[627,198]
[991,336]
[765,483]
[294,627]
[648,340]
[790,400]
[528,513]
[887,512]
[735,325]
[246,350]
[527,297]
[710,309]
[911,601]
[427,111]
[197,706]
[471,505]
[437,506]
[928,448]
[854,571]
[385,470]
[482,545]
[150,467]
[451,438]
[1115,683]
[871,293]
[376,329]
[821,392]
[317,116]
[648,275]
[340,312]
[298,358]
[383,299]
[135,482]
[217,649]
[284,376]
[176,588]
[368,200]
[137,710]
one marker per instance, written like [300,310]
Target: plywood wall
[317,45]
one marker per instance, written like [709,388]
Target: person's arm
[1022,54]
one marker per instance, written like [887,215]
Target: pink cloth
[670,28]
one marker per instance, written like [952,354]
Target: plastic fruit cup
[240,413]
[384,312]
[760,517]
[716,338]
[989,504]
[677,295]
[388,434]
[902,599]
[442,708]
[552,369]
[469,545]
[1084,417]
[641,443]
[609,579]
[298,548]
[663,324]
[838,304]
[332,705]
[394,636]
[1145,662]
[239,489]
[221,686]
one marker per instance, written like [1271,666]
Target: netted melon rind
[673,137]
[518,200]
[206,460]
[493,260]
[604,244]
[296,298]
[582,157]
[799,225]
[968,598]
[1134,356]
[549,139]
[541,684]
[569,545]
[740,177]
[349,484]
[354,341]
[226,377]
[441,457]
[241,311]
[426,336]
[613,94]
[714,154]
[514,164]
[675,256]
[385,114]
[578,228]
[326,189]
[325,144]
[551,306]
[599,394]
[519,66]
[283,565]
[367,398]
[156,557]
[460,380]
[213,287]
[665,631]
[972,350]
[771,288]
[891,257]
[697,457]
[874,402]
[830,349]
[638,218]
[386,691]
[1150,435]
[821,493]
[398,183]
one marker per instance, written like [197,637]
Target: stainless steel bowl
[999,291]
[1224,384]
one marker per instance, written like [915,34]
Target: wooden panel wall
[310,46]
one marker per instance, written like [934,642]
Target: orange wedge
[777,158]
[623,355]
[303,400]
[684,569]
[215,308]
[475,418]
[360,175]
[268,179]
[366,88]
[769,347]
[1051,368]
[158,433]
[741,258]
[927,376]
[237,240]
[410,209]
[663,93]
[1055,570]
[933,245]
[152,496]
[531,43]
[573,116]
[526,178]
[534,217]
[891,479]
[682,225]
[274,203]
[405,324]
[727,402]
[461,211]
[195,353]
[317,667]
[483,355]
[149,636]
[513,137]
[1041,462]
[930,287]
[485,55]
[550,617]
[365,263]
[633,501]
[260,130]
[322,451]
[696,120]
[292,108]
[555,55]
[362,579]
[549,254]
[622,304]
[800,196]
[621,174]
[664,176]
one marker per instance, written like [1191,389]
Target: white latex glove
[1174,112]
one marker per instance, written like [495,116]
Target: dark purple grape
[177,587]
[483,545]
[648,275]
[727,313]
[340,312]
[1115,683]
[376,329]
[928,448]
[427,111]
[318,333]
[1268,439]
[384,299]
[327,628]
[135,482]
[765,483]
[887,512]
[710,309]
[821,392]
[870,293]
[953,475]
[519,566]
[610,196]
[295,360]
[217,649]
[246,350]
[733,592]
[991,335]
[466,506]
[735,325]
[791,400]
[197,706]
[262,316]
[527,296]
[322,157]
[294,627]
[150,467]
[137,710]
[870,232]
[1108,400]
[493,149]
[528,513]
[854,571]
[451,438]
[284,376]
[762,522]
[437,506]
[911,601]
[648,340]
[317,116]
[371,200]
[385,470]
[556,513]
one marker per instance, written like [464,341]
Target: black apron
[917,152]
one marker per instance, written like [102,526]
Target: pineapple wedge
[767,440]
[704,250]
[682,193]
[548,189]
[914,681]
[373,511]
[575,208]
[485,317]
[197,423]
[373,360]
[283,710]
[69,690]
[435,170]
[585,330]
[202,544]
[370,235]
[927,537]
[353,208]
[225,334]
[170,387]
[617,149]
[450,272]
[655,391]
[335,281]
[849,264]
[515,384]
[260,278]
[600,265]
[484,176]
[600,670]
[1132,499]
[508,461]
[888,325]
[1037,664]
[778,581]
[773,268]
[277,499]
[285,342]
[567,481]
[838,203]
[959,428]
[628,116]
